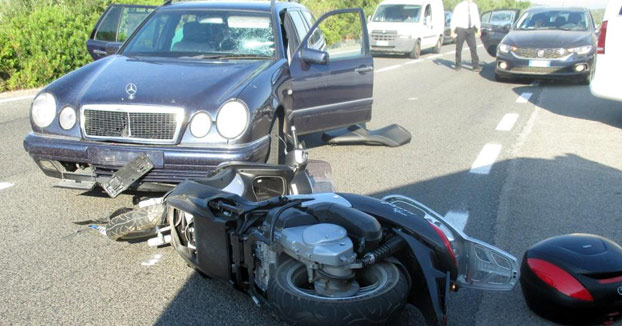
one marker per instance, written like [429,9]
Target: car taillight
[559,279]
[447,244]
[602,38]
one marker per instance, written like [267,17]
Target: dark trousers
[467,34]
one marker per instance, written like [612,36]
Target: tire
[376,306]
[276,154]
[135,224]
[416,52]
[439,45]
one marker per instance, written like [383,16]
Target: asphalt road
[552,167]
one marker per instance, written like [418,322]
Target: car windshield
[204,34]
[397,13]
[568,20]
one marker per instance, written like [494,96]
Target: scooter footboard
[480,265]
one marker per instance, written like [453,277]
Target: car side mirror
[312,56]
[507,27]
[369,19]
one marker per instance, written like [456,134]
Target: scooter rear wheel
[382,295]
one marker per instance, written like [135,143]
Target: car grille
[532,53]
[539,70]
[132,123]
[384,36]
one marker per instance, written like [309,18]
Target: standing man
[465,23]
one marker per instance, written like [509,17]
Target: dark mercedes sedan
[198,84]
[549,43]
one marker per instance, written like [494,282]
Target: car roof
[232,5]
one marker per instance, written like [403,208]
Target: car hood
[190,84]
[548,39]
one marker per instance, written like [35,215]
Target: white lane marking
[413,61]
[413,98]
[434,56]
[486,159]
[154,260]
[5,185]
[450,52]
[507,122]
[13,99]
[457,218]
[388,68]
[524,98]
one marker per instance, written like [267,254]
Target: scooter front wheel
[381,297]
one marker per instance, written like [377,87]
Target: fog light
[503,65]
[47,165]
[580,68]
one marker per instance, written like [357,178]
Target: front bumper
[518,67]
[88,161]
[395,46]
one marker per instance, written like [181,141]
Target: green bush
[43,40]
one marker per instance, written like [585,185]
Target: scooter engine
[328,254]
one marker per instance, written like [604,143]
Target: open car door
[112,29]
[496,25]
[332,74]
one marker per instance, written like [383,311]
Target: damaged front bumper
[83,164]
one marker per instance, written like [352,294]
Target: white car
[607,76]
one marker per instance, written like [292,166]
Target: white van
[608,72]
[407,26]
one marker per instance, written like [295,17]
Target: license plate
[539,63]
[127,175]
[382,43]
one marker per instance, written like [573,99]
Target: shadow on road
[541,198]
[600,110]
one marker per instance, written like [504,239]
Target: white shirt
[460,17]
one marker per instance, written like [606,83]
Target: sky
[593,4]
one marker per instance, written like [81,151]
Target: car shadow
[585,105]
[537,199]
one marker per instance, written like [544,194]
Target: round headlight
[200,125]
[232,119]
[67,118]
[44,110]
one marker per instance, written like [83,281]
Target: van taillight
[602,38]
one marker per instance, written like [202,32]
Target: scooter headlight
[232,119]
[43,110]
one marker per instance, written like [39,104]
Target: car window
[486,17]
[204,34]
[107,29]
[397,13]
[316,41]
[428,15]
[131,17]
[572,20]
[346,43]
[502,17]
[301,27]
